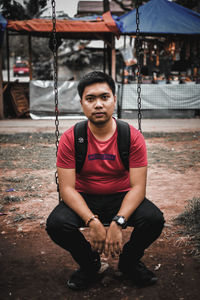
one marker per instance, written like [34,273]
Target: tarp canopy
[161,17]
[77,29]
[3,23]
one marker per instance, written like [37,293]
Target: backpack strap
[80,142]
[123,141]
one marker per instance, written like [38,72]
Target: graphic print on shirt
[101,156]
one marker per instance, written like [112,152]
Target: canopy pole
[113,59]
[8,56]
[1,88]
[104,57]
[139,79]
[30,57]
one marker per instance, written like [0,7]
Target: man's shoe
[140,275]
[81,279]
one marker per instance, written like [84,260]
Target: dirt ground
[33,267]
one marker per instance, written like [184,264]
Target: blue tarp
[3,24]
[161,17]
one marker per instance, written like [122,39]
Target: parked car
[21,69]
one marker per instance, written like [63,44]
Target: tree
[12,9]
[128,5]
[106,5]
[191,4]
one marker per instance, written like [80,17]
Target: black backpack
[80,140]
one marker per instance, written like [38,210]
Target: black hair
[95,77]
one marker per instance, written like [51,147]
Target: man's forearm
[76,202]
[131,201]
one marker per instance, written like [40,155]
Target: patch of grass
[49,138]
[178,160]
[9,199]
[190,219]
[21,217]
[34,157]
[173,136]
[26,182]
[27,138]
[12,179]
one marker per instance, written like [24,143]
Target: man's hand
[97,235]
[113,243]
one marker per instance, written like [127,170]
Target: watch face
[121,220]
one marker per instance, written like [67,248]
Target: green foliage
[129,5]
[77,56]
[190,218]
[34,8]
[78,59]
[191,4]
[13,10]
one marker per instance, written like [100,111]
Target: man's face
[98,102]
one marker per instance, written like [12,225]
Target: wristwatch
[121,221]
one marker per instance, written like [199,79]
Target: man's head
[95,77]
[98,100]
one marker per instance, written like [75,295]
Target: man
[103,193]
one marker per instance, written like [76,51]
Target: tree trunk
[106,5]
[1,88]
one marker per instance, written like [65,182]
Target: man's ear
[81,102]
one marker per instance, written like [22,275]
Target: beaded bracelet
[87,223]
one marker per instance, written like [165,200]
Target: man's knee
[152,224]
[59,230]
[157,220]
[62,219]
[151,217]
[52,223]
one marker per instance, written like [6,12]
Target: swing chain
[55,78]
[139,80]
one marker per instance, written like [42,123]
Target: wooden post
[1,88]
[104,56]
[8,55]
[109,54]
[30,57]
[106,5]
[113,58]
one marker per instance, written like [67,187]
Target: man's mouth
[99,114]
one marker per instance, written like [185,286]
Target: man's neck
[104,131]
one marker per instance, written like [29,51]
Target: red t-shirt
[103,171]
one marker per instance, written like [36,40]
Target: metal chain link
[55,78]
[139,80]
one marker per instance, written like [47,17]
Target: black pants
[63,227]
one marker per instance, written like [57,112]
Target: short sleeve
[65,155]
[138,151]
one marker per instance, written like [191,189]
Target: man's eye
[105,97]
[90,99]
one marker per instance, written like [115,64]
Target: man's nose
[98,102]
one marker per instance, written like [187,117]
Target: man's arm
[70,196]
[131,201]
[135,196]
[67,179]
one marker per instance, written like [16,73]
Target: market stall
[92,28]
[169,54]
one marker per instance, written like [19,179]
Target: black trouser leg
[148,223]
[62,227]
